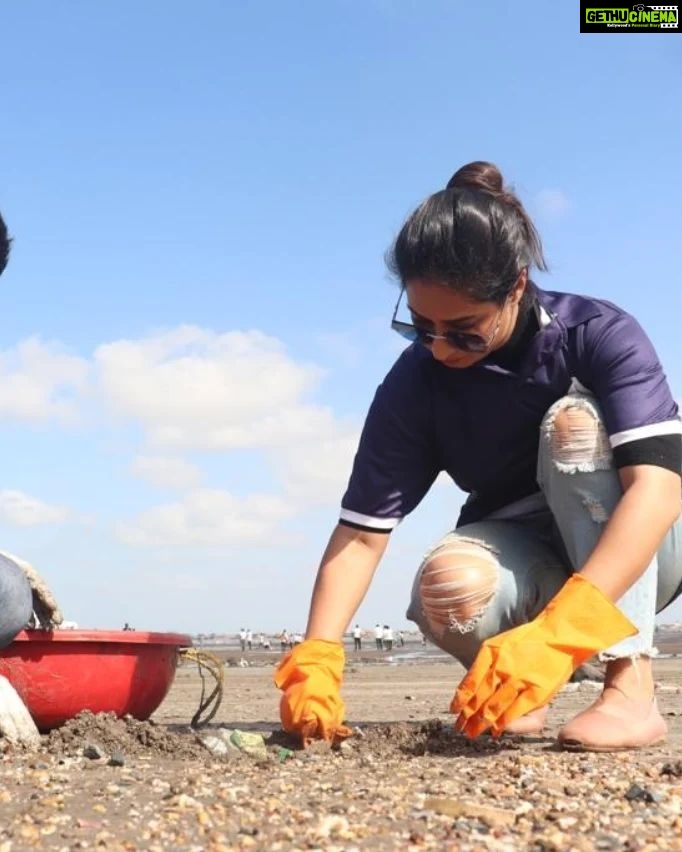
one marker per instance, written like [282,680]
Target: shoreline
[412,653]
[409,655]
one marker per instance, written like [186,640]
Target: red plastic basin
[59,673]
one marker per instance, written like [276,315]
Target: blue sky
[196,309]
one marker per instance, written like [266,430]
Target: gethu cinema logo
[640,14]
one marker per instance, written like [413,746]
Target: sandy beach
[404,781]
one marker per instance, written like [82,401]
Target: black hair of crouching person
[4,244]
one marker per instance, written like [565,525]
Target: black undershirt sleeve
[354,526]
[659,450]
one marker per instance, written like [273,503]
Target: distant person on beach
[242,639]
[553,412]
[387,638]
[284,641]
[357,638]
[401,638]
[379,636]
[249,639]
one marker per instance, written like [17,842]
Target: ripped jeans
[500,572]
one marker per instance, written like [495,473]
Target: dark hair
[473,236]
[4,244]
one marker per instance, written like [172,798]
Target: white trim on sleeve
[368,521]
[652,430]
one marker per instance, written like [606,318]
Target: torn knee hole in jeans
[607,657]
[457,583]
[578,439]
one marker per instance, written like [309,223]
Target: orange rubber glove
[311,705]
[523,668]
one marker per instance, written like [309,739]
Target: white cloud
[207,517]
[194,389]
[40,381]
[552,203]
[190,388]
[309,474]
[317,472]
[20,510]
[164,472]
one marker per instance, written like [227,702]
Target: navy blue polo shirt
[481,424]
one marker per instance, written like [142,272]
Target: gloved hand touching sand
[310,679]
[521,669]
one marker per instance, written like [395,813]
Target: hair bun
[479,175]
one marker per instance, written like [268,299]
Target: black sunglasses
[462,340]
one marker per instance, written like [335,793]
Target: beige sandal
[613,726]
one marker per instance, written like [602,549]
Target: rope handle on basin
[207,664]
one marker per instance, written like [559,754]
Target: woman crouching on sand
[553,412]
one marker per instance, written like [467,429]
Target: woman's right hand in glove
[310,678]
